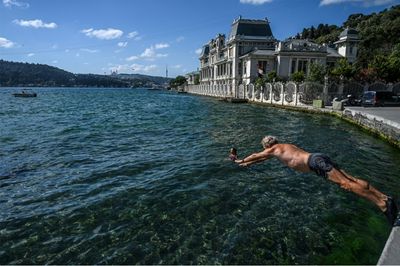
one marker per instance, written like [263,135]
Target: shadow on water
[102,176]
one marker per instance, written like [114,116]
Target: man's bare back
[289,154]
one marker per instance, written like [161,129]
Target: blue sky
[145,36]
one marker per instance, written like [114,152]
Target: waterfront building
[251,51]
[220,62]
[191,78]
[348,44]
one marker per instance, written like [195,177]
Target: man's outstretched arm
[254,158]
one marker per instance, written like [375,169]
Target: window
[241,50]
[262,68]
[302,66]
[293,69]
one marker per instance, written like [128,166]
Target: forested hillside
[379,48]
[32,75]
[12,74]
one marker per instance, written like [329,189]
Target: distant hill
[157,81]
[379,33]
[39,75]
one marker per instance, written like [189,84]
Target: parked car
[376,98]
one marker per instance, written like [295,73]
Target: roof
[300,45]
[333,52]
[347,32]
[205,51]
[193,73]
[260,53]
[251,28]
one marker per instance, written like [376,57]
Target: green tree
[197,79]
[272,76]
[344,69]
[394,64]
[381,66]
[387,68]
[260,82]
[178,81]
[317,73]
[298,76]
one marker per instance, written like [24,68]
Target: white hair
[269,141]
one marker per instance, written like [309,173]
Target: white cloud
[161,46]
[132,58]
[255,2]
[10,3]
[122,44]
[366,3]
[118,68]
[55,61]
[36,23]
[4,43]
[103,34]
[30,54]
[92,51]
[177,66]
[134,35]
[133,67]
[198,51]
[150,53]
[143,68]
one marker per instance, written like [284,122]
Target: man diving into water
[321,164]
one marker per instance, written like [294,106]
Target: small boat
[25,93]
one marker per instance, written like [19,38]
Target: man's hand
[241,162]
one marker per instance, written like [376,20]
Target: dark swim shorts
[321,164]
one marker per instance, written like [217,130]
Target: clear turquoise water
[120,176]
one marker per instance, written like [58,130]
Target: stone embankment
[383,121]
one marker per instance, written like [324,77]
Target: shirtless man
[321,164]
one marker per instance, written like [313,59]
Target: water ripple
[108,176]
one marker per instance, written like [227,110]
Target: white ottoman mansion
[251,50]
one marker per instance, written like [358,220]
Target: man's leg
[359,187]
[362,188]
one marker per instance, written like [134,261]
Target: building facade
[348,44]
[252,51]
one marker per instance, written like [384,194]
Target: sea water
[134,176]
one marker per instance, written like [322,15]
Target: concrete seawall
[390,254]
[384,122]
